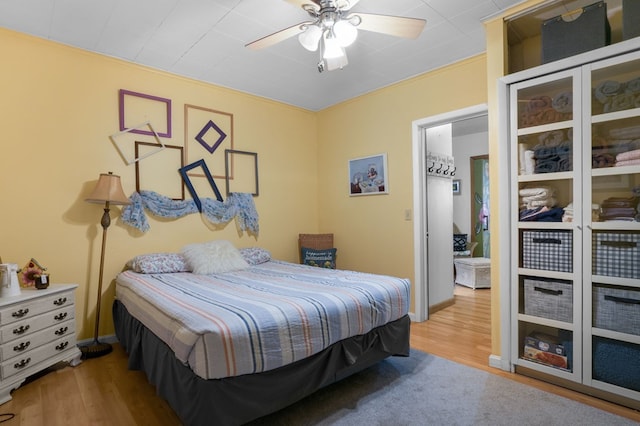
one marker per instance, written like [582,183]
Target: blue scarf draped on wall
[238,205]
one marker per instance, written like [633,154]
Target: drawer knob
[20,313]
[22,329]
[60,302]
[62,345]
[21,347]
[22,363]
[61,331]
[60,317]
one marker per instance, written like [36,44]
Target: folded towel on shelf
[542,214]
[632,132]
[563,102]
[538,191]
[635,162]
[601,160]
[628,155]
[553,138]
[632,86]
[620,102]
[607,89]
[568,213]
[529,162]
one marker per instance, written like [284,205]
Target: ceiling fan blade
[277,37]
[393,25]
[300,3]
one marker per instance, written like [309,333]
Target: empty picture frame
[207,133]
[187,181]
[137,107]
[123,139]
[241,171]
[160,172]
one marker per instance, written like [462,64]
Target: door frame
[421,287]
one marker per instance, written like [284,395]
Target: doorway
[422,263]
[479,166]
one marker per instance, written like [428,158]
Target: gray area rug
[427,390]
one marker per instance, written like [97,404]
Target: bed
[232,346]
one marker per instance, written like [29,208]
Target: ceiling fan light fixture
[310,38]
[332,48]
[345,32]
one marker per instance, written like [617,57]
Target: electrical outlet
[407,214]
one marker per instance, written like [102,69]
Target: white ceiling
[204,40]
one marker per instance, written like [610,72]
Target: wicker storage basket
[616,308]
[314,241]
[548,299]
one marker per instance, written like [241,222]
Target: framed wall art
[368,175]
[455,185]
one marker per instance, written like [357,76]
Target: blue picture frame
[207,173]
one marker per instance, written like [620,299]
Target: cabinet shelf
[615,171]
[543,368]
[616,335]
[618,115]
[541,177]
[626,282]
[567,276]
[615,226]
[546,225]
[545,321]
[545,128]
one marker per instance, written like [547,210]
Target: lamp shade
[310,38]
[345,32]
[108,189]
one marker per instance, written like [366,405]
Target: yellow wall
[59,105]
[371,231]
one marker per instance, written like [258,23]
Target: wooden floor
[103,391]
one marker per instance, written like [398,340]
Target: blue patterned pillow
[325,258]
[159,263]
[255,255]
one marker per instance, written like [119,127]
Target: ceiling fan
[334,27]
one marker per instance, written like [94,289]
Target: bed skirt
[238,400]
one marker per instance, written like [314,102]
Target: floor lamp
[108,190]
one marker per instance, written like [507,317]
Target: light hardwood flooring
[103,391]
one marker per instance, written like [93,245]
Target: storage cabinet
[574,143]
[37,330]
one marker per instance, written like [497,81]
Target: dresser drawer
[29,326]
[28,309]
[31,341]
[30,359]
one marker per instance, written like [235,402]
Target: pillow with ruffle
[214,257]
[255,255]
[158,263]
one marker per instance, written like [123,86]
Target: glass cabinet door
[612,234]
[546,158]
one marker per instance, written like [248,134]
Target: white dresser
[37,330]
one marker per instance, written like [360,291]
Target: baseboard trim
[496,361]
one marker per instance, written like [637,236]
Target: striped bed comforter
[260,318]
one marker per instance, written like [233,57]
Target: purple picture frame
[123,126]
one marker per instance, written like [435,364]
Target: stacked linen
[538,204]
[553,153]
[628,158]
[616,96]
[619,208]
[544,109]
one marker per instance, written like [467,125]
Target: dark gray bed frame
[238,400]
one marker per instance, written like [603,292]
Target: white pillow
[214,257]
